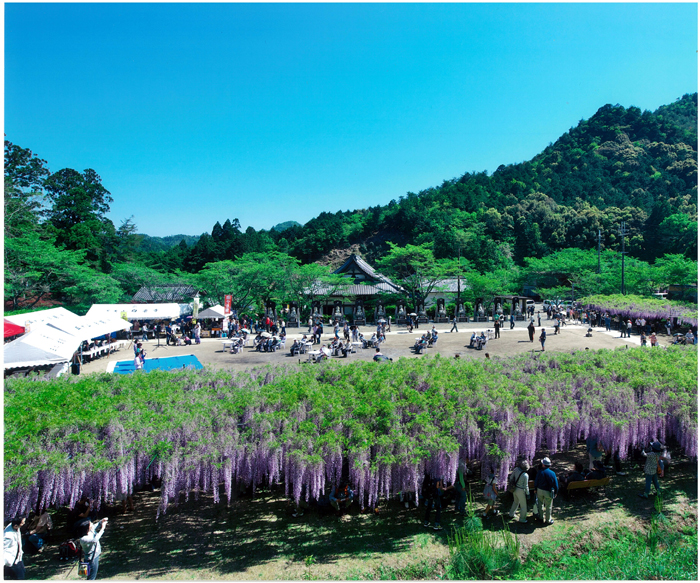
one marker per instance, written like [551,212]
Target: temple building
[365,285]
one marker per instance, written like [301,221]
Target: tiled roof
[383,283]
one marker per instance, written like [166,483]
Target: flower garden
[212,432]
[642,307]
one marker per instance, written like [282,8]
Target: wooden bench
[585,484]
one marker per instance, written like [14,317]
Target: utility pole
[598,251]
[459,269]
[623,232]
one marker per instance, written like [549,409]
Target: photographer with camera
[90,543]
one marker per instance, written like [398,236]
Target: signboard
[227,305]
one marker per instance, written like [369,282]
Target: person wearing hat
[651,467]
[520,478]
[547,489]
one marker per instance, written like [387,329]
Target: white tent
[42,316]
[54,335]
[140,311]
[213,312]
[88,327]
[42,345]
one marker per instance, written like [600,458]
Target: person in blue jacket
[547,487]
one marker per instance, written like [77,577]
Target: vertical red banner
[227,305]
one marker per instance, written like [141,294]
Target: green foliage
[24,180]
[614,553]
[478,554]
[385,419]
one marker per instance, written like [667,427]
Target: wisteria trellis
[213,431]
[640,307]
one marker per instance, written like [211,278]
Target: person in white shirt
[90,543]
[14,567]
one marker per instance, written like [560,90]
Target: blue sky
[193,113]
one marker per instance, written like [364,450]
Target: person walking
[519,480]
[651,468]
[454,324]
[144,335]
[543,338]
[497,327]
[14,566]
[531,330]
[512,321]
[90,543]
[547,489]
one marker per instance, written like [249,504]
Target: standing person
[491,494]
[543,338]
[144,336]
[531,330]
[197,333]
[539,321]
[432,493]
[454,324]
[461,486]
[629,328]
[650,469]
[311,324]
[595,451]
[14,566]
[512,321]
[607,322]
[520,479]
[497,327]
[547,489]
[90,543]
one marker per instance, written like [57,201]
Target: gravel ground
[398,345]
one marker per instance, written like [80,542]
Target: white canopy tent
[213,312]
[42,345]
[140,311]
[54,335]
[86,328]
[42,316]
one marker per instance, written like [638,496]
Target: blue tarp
[166,363]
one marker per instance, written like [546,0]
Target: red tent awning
[12,329]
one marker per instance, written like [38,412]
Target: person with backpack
[14,566]
[519,487]
[547,489]
[90,543]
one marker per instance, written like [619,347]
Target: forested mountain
[622,164]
